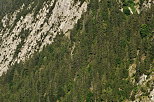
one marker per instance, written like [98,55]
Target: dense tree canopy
[106,44]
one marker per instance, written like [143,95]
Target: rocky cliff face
[25,33]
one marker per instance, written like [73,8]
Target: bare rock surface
[22,38]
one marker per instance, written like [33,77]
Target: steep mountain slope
[25,32]
[78,51]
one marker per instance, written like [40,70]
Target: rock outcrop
[23,35]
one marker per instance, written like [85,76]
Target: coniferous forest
[93,65]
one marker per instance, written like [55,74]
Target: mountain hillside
[30,28]
[77,51]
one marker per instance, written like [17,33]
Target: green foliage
[144,30]
[106,44]
[89,97]
[128,2]
[126,11]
